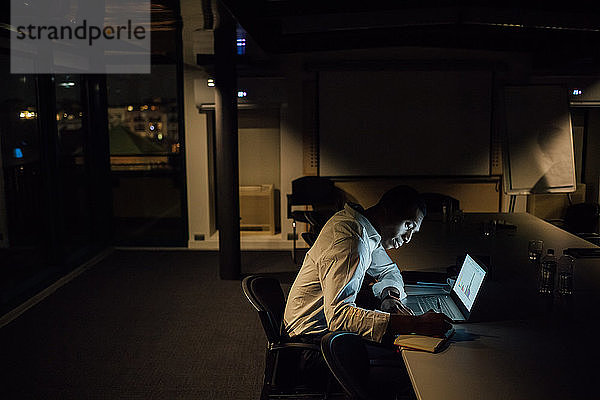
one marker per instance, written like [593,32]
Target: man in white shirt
[351,244]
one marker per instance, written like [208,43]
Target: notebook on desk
[458,304]
[424,343]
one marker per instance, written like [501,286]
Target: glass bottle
[565,274]
[547,273]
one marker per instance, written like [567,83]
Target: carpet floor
[143,325]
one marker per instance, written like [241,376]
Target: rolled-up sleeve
[386,272]
[341,275]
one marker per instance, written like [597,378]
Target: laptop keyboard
[431,303]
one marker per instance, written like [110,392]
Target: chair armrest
[305,346]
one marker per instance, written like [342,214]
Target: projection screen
[404,123]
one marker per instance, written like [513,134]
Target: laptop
[458,304]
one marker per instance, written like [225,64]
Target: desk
[521,348]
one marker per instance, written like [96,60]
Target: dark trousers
[312,368]
[386,365]
[386,362]
[311,365]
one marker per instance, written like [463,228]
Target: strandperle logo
[80,36]
[83,32]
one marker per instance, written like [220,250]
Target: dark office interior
[133,205]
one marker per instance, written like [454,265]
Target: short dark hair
[402,202]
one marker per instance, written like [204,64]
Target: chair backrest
[267,297]
[583,218]
[319,192]
[313,189]
[348,360]
[309,237]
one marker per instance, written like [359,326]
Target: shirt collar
[356,210]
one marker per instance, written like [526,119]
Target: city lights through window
[241,46]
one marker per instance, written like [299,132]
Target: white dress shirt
[323,295]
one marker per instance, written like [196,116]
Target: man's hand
[432,324]
[428,324]
[395,306]
[391,302]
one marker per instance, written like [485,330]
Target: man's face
[395,233]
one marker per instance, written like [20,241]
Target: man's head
[398,215]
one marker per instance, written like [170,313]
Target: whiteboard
[404,123]
[539,154]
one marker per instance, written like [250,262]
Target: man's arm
[341,273]
[428,324]
[391,291]
[389,278]
[391,302]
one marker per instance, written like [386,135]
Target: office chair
[322,195]
[310,238]
[266,296]
[348,360]
[582,219]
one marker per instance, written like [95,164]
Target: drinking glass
[489,228]
[535,250]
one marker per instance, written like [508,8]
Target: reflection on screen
[468,282]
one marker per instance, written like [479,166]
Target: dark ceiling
[566,36]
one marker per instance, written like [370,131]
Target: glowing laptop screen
[469,282]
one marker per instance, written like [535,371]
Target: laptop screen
[469,282]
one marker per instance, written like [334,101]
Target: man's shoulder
[346,224]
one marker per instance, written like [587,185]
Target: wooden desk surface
[522,347]
[437,244]
[509,360]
